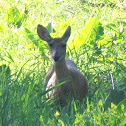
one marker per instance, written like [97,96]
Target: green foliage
[13,16]
[122,106]
[97,45]
[92,32]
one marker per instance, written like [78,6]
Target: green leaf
[50,28]
[19,73]
[10,57]
[115,96]
[39,43]
[30,35]
[14,16]
[122,106]
[112,27]
[92,32]
[104,41]
[123,122]
[51,88]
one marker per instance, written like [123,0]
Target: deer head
[57,45]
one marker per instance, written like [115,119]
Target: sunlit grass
[102,60]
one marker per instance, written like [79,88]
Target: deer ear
[66,35]
[43,33]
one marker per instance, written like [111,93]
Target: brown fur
[63,70]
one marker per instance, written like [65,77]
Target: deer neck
[61,70]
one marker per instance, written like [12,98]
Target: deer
[63,70]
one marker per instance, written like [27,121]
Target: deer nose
[56,58]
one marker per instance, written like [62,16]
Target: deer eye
[63,45]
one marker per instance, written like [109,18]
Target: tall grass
[98,31]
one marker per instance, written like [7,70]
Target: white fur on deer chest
[51,83]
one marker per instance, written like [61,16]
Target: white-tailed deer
[75,84]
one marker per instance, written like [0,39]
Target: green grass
[99,36]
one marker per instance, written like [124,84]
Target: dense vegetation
[97,45]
